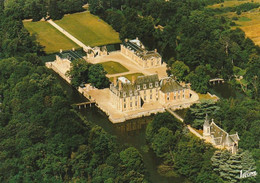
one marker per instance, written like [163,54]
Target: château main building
[127,96]
[135,50]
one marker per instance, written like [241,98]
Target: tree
[252,75]
[180,70]
[97,76]
[163,142]
[199,79]
[162,120]
[79,72]
[228,166]
[132,160]
[54,10]
[196,114]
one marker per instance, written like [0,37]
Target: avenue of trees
[42,138]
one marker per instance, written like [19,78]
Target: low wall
[55,69]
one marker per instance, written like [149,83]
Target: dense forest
[42,138]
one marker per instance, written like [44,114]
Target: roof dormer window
[150,85]
[138,87]
[156,84]
[124,94]
[144,86]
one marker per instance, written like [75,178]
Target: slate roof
[141,80]
[221,137]
[170,85]
[128,90]
[139,49]
[70,55]
[131,89]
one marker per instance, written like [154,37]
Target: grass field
[203,97]
[114,67]
[128,76]
[251,27]
[89,29]
[249,21]
[49,37]
[232,3]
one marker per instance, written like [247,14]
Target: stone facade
[97,51]
[135,50]
[219,138]
[133,95]
[171,91]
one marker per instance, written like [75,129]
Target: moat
[130,133]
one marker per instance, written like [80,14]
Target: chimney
[126,40]
[136,38]
[155,50]
[114,81]
[119,85]
[60,50]
[133,79]
[73,49]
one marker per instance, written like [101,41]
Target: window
[144,91]
[151,96]
[124,94]
[135,97]
[150,85]
[124,105]
[168,96]
[131,93]
[178,96]
[138,87]
[179,91]
[144,97]
[130,104]
[174,97]
[151,63]
[144,86]
[183,96]
[124,99]
[151,91]
[135,103]
[130,98]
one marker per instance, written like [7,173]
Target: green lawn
[49,37]
[114,67]
[128,76]
[89,29]
[244,19]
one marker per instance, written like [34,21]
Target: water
[225,91]
[131,133]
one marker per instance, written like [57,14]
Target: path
[192,130]
[85,48]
